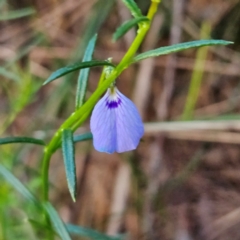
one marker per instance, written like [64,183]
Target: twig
[154,128]
[120,195]
[207,136]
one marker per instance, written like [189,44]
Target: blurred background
[183,181]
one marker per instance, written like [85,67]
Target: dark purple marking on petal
[113,103]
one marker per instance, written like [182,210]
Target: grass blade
[96,18]
[84,73]
[197,75]
[178,47]
[10,75]
[125,27]
[65,70]
[24,50]
[40,226]
[12,180]
[69,161]
[89,233]
[57,222]
[8,140]
[17,14]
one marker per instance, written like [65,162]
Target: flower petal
[115,123]
[129,125]
[103,126]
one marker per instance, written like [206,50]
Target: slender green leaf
[8,140]
[82,137]
[69,161]
[84,73]
[12,180]
[197,74]
[132,6]
[96,17]
[57,222]
[75,230]
[65,70]
[125,27]
[178,47]
[89,233]
[40,226]
[10,75]
[17,14]
[25,50]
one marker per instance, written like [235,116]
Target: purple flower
[115,123]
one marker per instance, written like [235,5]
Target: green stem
[46,162]
[81,114]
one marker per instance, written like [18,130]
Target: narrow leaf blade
[84,73]
[10,75]
[8,140]
[65,70]
[90,233]
[57,222]
[125,27]
[69,161]
[12,180]
[178,47]
[40,226]
[82,137]
[132,6]
[17,14]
